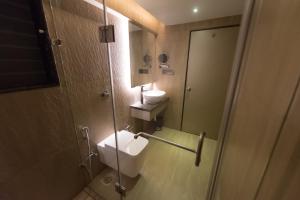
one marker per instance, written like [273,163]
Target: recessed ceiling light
[195,10]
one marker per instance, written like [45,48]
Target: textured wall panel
[85,63]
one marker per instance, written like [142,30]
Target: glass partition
[85,75]
[169,149]
[165,147]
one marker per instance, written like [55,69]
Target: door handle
[188,89]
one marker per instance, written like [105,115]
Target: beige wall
[174,40]
[281,180]
[39,156]
[270,72]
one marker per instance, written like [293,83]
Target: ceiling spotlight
[195,10]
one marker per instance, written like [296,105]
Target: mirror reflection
[142,54]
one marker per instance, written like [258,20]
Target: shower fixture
[84,130]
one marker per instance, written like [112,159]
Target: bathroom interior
[111,99]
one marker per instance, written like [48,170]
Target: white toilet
[131,152]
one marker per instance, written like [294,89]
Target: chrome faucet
[143,90]
[142,97]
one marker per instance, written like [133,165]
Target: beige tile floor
[168,172]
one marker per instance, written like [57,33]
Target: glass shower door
[149,164]
[171,163]
[167,160]
[82,55]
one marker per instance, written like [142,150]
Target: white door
[210,61]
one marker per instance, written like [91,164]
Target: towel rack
[197,151]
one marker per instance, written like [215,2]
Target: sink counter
[148,107]
[147,111]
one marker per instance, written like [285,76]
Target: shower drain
[107,180]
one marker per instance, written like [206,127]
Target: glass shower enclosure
[94,38]
[79,32]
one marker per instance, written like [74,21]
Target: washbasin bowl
[154,96]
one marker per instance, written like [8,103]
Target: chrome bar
[198,151]
[199,148]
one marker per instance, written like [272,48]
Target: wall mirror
[142,54]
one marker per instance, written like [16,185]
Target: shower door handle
[188,89]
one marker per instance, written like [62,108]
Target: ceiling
[173,12]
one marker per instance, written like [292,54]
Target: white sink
[154,96]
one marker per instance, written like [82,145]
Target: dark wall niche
[26,57]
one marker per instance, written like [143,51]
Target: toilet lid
[127,143]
